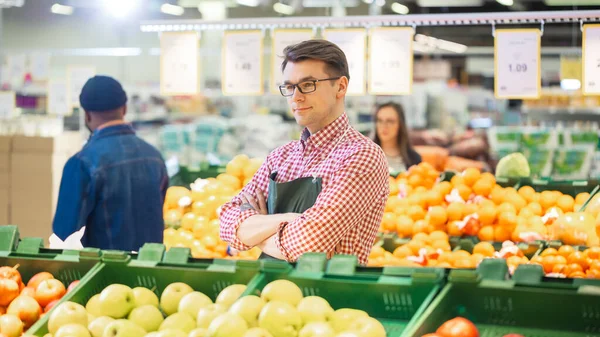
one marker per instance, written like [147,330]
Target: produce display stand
[185,176]
[527,304]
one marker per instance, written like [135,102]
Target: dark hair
[322,50]
[402,140]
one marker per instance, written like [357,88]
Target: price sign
[390,61]
[281,39]
[179,59]
[517,63]
[76,78]
[353,43]
[242,63]
[57,103]
[8,104]
[39,66]
[591,60]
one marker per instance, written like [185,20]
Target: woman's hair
[402,140]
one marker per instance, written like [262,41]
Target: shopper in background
[323,193]
[391,134]
[115,186]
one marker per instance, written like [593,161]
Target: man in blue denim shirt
[116,185]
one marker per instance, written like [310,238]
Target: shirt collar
[326,134]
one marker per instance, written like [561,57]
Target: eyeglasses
[305,87]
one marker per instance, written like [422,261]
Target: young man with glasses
[323,193]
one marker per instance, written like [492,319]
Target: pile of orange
[472,204]
[566,261]
[192,215]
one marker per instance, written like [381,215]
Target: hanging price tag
[591,60]
[517,63]
[76,78]
[242,63]
[281,39]
[353,43]
[179,59]
[8,102]
[390,61]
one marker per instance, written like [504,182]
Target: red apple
[2,310]
[29,291]
[48,291]
[9,290]
[50,306]
[38,278]
[10,273]
[26,308]
[72,286]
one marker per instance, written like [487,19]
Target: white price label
[242,63]
[179,59]
[8,101]
[57,98]
[39,66]
[353,43]
[517,63]
[390,61]
[76,78]
[281,39]
[591,60]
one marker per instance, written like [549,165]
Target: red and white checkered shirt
[348,211]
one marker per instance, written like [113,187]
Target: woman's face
[387,124]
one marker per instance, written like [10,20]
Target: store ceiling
[555,35]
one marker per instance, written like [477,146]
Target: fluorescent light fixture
[450,3]
[570,84]
[172,9]
[380,3]
[213,10]
[400,8]
[368,1]
[571,2]
[61,9]
[119,8]
[249,3]
[506,2]
[441,44]
[283,8]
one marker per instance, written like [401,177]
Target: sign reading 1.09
[517,63]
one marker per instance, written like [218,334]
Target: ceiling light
[283,8]
[506,2]
[399,8]
[571,2]
[62,10]
[450,3]
[249,3]
[380,3]
[368,1]
[172,9]
[441,44]
[119,8]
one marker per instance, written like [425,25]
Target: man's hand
[249,202]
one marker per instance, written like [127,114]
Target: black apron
[294,196]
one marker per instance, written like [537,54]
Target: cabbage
[513,165]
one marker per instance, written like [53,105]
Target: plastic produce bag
[71,242]
[575,229]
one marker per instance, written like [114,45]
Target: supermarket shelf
[562,114]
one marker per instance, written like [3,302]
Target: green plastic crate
[394,297]
[154,269]
[527,304]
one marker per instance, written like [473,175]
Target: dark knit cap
[102,93]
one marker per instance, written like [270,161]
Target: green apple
[98,325]
[314,309]
[281,319]
[144,296]
[227,325]
[148,317]
[11,326]
[179,321]
[192,302]
[248,307]
[152,334]
[282,290]
[317,329]
[72,330]
[123,328]
[66,313]
[171,333]
[91,317]
[257,332]
[172,295]
[341,319]
[93,306]
[116,301]
[368,327]
[349,334]
[230,294]
[198,332]
[208,313]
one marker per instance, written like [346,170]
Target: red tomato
[458,327]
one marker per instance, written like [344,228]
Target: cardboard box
[4,207]
[67,143]
[5,149]
[4,179]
